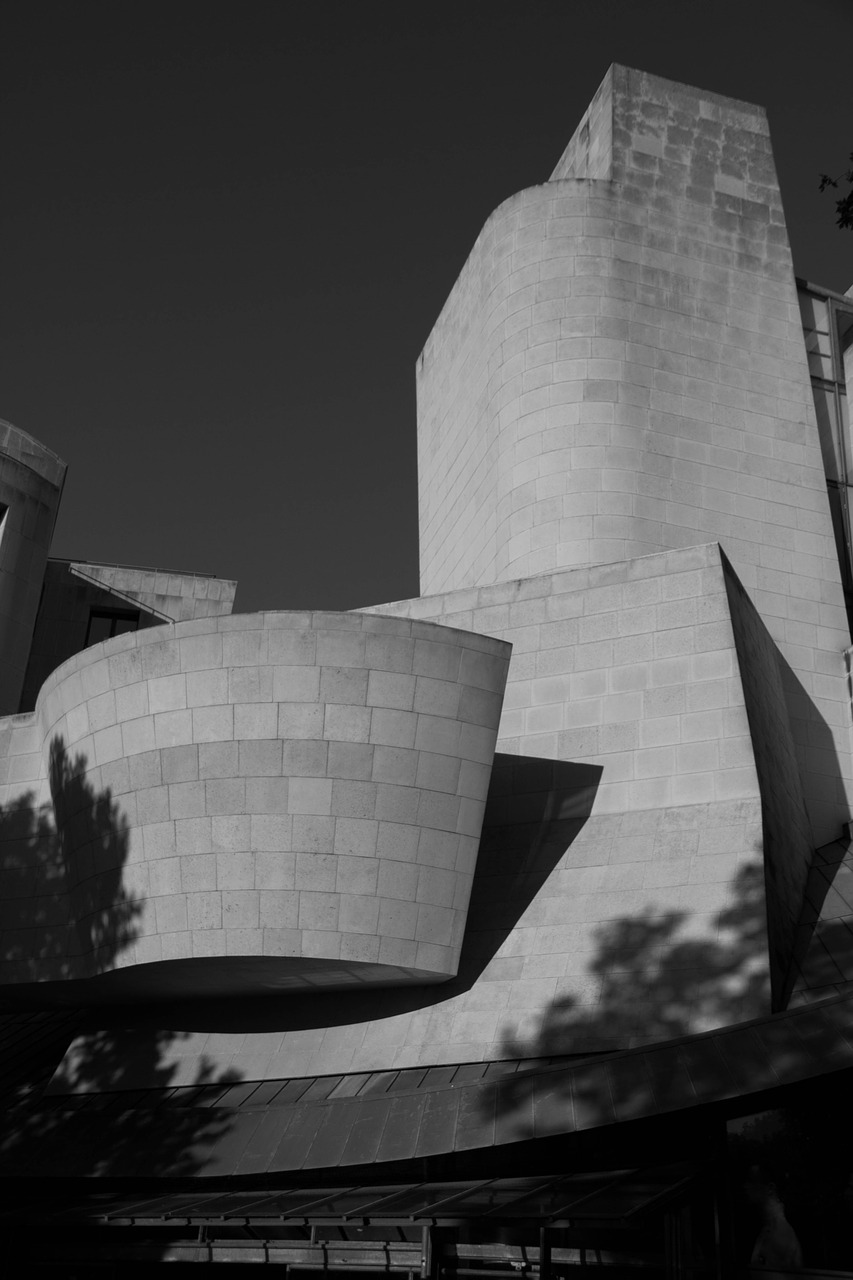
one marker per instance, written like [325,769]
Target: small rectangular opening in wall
[106,623]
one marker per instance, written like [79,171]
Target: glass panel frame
[828,335]
[105,623]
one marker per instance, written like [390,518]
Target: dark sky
[227,229]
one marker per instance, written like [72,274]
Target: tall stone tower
[620,370]
[623,473]
[620,471]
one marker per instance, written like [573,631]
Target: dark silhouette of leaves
[698,983]
[844,204]
[65,913]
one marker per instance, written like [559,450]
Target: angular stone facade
[622,479]
[620,370]
[295,800]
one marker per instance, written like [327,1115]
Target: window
[106,623]
[828,332]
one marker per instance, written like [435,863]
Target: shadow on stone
[535,809]
[698,983]
[65,910]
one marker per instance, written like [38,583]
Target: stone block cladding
[620,890]
[614,409]
[633,668]
[266,801]
[31,480]
[620,370]
[625,666]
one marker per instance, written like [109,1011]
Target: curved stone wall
[620,370]
[626,389]
[614,407]
[279,800]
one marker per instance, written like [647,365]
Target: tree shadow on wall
[65,913]
[655,983]
[87,1122]
[64,910]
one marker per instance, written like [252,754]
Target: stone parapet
[266,801]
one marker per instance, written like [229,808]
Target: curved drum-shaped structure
[619,371]
[622,382]
[279,800]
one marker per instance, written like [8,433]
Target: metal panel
[400,1135]
[365,1135]
[258,1153]
[331,1136]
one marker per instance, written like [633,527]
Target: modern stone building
[454,935]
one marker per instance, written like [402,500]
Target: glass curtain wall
[828,331]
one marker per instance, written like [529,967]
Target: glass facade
[106,623]
[828,331]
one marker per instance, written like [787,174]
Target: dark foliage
[65,912]
[844,204]
[698,982]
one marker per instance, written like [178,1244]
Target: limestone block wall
[621,889]
[628,666]
[263,801]
[175,596]
[620,369]
[31,480]
[635,930]
[589,153]
[661,672]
